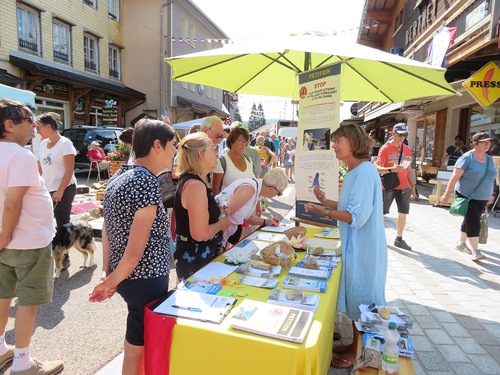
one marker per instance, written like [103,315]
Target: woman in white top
[243,196]
[57,160]
[233,165]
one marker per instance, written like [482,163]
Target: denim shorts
[27,275]
[402,198]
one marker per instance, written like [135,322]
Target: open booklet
[193,305]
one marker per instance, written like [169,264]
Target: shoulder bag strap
[482,178]
[401,154]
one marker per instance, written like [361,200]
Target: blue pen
[193,309]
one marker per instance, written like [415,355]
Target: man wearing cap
[388,161]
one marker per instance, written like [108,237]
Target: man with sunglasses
[213,126]
[390,159]
[26,232]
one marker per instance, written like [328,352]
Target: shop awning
[6,77]
[23,96]
[41,67]
[202,108]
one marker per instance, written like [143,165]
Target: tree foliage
[237,115]
[257,117]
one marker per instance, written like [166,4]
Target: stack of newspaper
[372,322]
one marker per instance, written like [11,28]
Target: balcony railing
[90,65]
[28,45]
[63,57]
[114,73]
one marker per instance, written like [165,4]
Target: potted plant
[118,157]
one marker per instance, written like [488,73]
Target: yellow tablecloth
[205,348]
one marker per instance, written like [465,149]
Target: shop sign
[52,89]
[484,85]
[476,15]
[110,112]
[79,110]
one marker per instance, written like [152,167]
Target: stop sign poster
[315,162]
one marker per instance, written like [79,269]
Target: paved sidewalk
[453,301]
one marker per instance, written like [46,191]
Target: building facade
[154,30]
[101,62]
[415,29]
[70,54]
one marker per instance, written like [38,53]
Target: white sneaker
[477,255]
[463,248]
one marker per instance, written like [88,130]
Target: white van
[287,129]
[288,132]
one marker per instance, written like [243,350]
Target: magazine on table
[280,322]
[258,268]
[322,263]
[267,236]
[328,233]
[198,286]
[294,298]
[304,284]
[322,274]
[214,270]
[330,247]
[258,282]
[193,305]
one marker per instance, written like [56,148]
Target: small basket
[295,232]
[278,253]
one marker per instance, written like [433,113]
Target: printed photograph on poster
[316,139]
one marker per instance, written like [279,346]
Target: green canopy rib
[208,66]
[367,80]
[419,77]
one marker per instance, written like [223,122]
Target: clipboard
[193,305]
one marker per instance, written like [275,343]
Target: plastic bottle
[390,355]
[263,203]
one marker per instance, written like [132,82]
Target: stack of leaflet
[372,322]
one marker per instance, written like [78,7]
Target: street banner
[315,161]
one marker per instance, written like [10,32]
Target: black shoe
[65,263]
[402,244]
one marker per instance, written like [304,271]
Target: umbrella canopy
[23,96]
[271,68]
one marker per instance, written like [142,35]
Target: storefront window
[96,116]
[487,120]
[425,143]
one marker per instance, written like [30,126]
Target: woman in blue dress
[361,222]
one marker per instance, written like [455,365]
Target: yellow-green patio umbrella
[271,67]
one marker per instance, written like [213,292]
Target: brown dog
[73,235]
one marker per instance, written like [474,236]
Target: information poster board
[315,161]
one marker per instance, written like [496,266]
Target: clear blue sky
[262,19]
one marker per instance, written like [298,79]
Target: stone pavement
[454,302]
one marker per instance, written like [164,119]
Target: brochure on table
[280,322]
